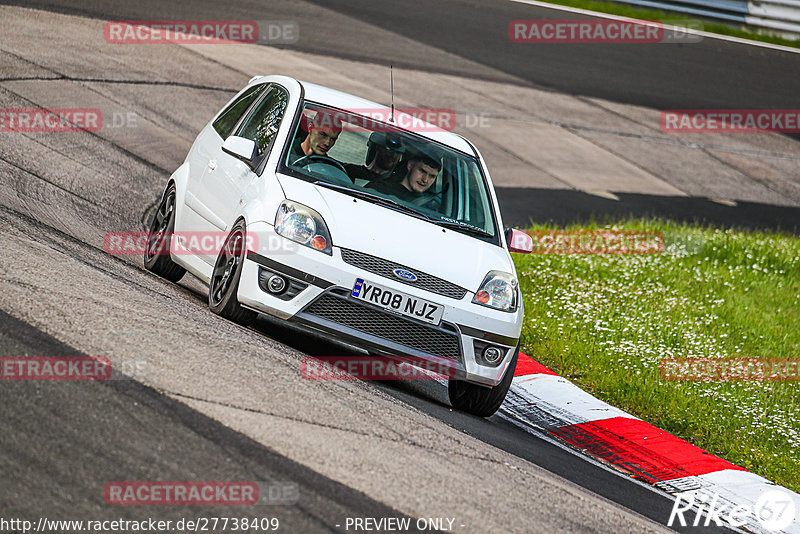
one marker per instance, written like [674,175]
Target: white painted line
[602,194]
[724,202]
[689,31]
[553,401]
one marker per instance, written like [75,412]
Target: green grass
[606,320]
[671,18]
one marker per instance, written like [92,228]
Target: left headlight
[498,291]
[303,225]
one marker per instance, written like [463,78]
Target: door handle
[212,164]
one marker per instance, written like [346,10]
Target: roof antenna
[391,83]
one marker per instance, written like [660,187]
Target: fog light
[492,355]
[276,284]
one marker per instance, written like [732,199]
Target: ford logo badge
[405,275]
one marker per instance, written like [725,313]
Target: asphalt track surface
[63,440]
[58,447]
[708,74]
[712,73]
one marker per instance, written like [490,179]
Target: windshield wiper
[465,227]
[377,199]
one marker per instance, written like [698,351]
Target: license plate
[398,302]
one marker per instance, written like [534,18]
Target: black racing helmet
[388,140]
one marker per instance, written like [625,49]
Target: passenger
[384,151]
[323,131]
[414,188]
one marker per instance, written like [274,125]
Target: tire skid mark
[526,117]
[57,242]
[53,184]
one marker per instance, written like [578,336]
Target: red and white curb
[705,484]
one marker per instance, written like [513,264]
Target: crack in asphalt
[705,148]
[124,151]
[53,184]
[57,242]
[519,158]
[68,78]
[653,138]
[761,181]
[595,104]
[59,76]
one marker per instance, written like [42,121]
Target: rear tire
[480,400]
[159,240]
[224,287]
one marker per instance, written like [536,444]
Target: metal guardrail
[778,15]
[781,15]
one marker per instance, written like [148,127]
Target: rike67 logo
[774,511]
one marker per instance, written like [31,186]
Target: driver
[384,151]
[323,131]
[422,172]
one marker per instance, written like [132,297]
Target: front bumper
[322,302]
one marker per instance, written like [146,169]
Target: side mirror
[518,241]
[241,148]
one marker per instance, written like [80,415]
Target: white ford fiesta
[348,218]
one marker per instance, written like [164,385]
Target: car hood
[417,244]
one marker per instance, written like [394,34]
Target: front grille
[338,308]
[385,268]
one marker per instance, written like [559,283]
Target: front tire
[224,286]
[480,400]
[159,240]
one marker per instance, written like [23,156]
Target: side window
[263,122]
[227,119]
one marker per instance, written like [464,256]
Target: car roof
[339,99]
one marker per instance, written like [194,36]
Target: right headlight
[303,225]
[498,291]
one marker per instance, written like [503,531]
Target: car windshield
[364,157]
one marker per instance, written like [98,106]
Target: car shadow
[319,345]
